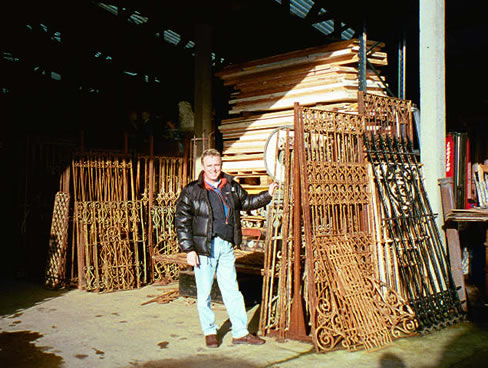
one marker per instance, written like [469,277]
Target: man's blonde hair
[210,152]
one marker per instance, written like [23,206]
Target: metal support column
[402,60]
[362,59]
[203,89]
[432,97]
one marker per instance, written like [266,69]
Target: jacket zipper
[209,207]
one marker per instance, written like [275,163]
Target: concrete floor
[72,328]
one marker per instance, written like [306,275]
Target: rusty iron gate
[109,226]
[110,245]
[348,304]
[386,115]
[159,181]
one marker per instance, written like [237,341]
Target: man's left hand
[272,188]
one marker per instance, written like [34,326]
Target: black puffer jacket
[193,219]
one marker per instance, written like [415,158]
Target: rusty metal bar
[297,318]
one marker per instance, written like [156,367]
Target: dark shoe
[211,341]
[249,339]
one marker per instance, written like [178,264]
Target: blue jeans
[222,261]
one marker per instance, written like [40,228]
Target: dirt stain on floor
[214,361]
[99,352]
[17,350]
[163,344]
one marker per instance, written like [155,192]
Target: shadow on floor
[253,323]
[19,294]
[469,350]
[214,361]
[17,350]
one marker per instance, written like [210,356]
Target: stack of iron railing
[122,222]
[372,266]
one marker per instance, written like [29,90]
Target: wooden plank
[308,71]
[261,85]
[261,134]
[291,54]
[245,166]
[453,243]
[243,148]
[238,146]
[256,124]
[301,56]
[336,57]
[242,157]
[283,103]
[262,117]
[249,134]
[345,94]
[315,89]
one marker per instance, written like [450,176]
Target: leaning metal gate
[279,243]
[110,244]
[348,304]
[423,274]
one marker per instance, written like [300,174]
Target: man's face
[212,166]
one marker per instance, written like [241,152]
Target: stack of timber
[313,76]
[265,90]
[244,143]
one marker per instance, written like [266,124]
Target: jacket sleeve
[184,221]
[251,202]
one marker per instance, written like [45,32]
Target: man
[208,226]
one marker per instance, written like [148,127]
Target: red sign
[449,156]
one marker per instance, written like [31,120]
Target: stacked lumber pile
[265,90]
[318,75]
[244,144]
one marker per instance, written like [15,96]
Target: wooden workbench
[472,215]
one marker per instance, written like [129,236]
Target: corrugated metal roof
[135,17]
[298,8]
[301,8]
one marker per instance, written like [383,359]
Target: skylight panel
[9,57]
[110,8]
[348,33]
[56,36]
[137,18]
[171,37]
[301,8]
[190,45]
[323,27]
